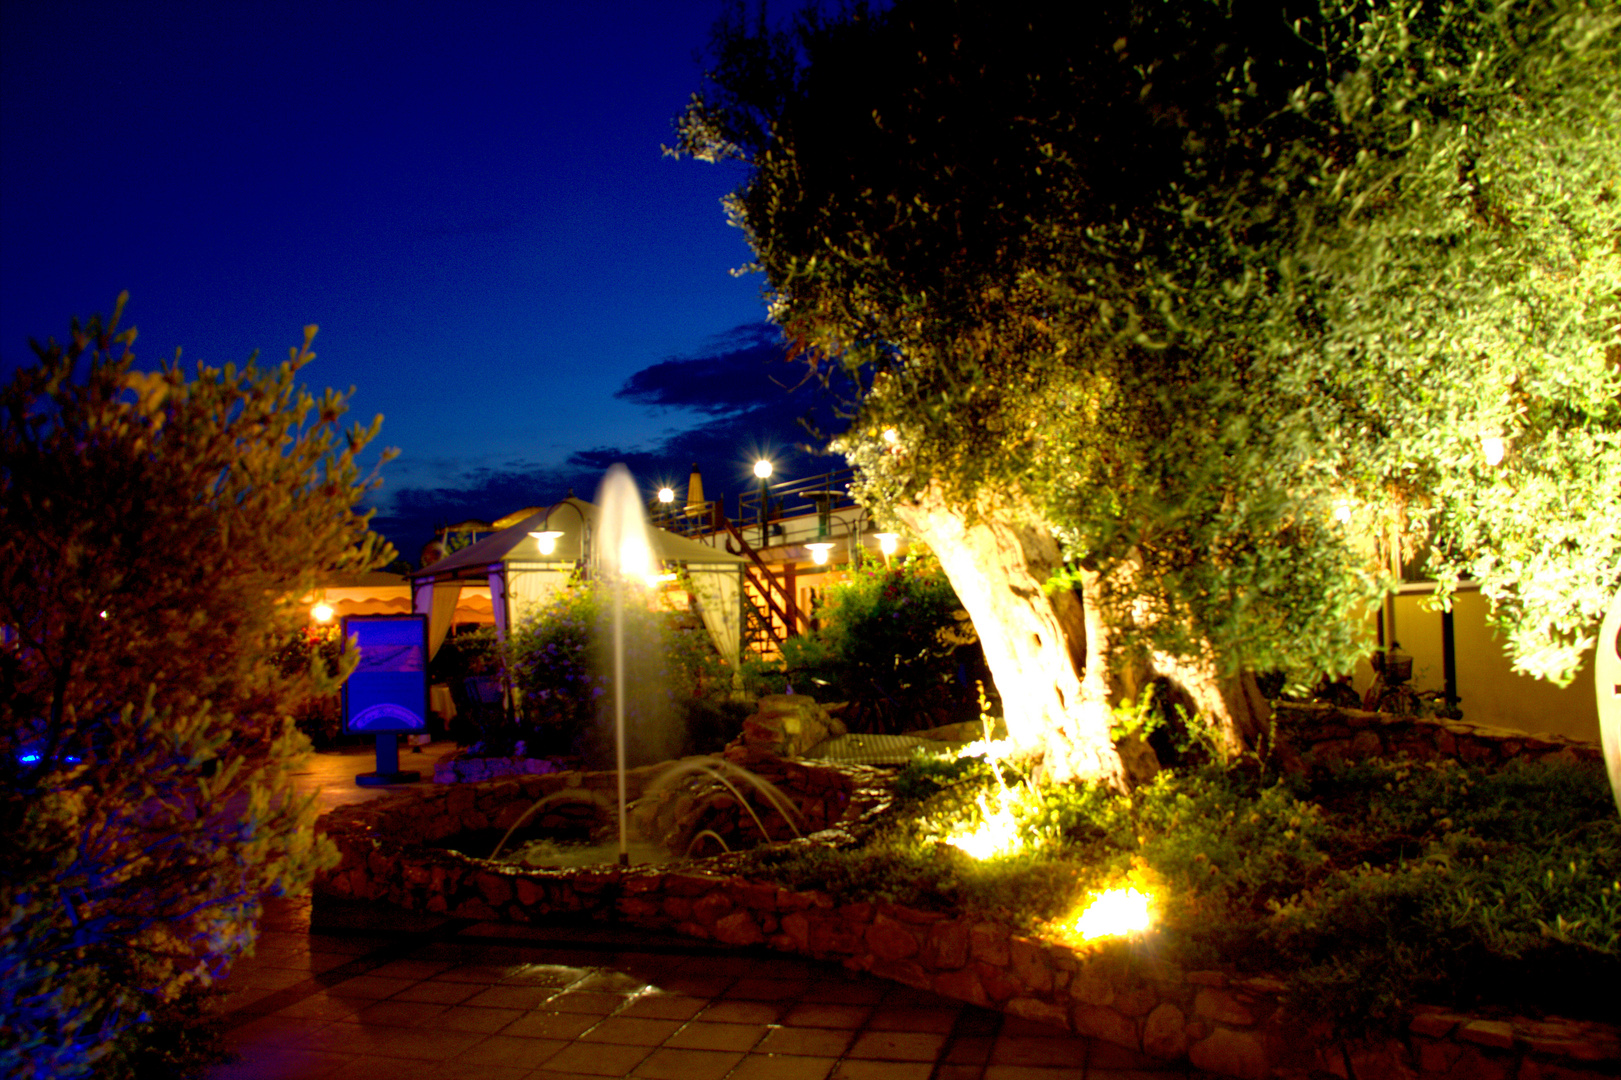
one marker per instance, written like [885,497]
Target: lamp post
[762,469]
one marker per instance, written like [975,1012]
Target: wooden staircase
[770,610]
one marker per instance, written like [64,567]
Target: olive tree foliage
[157,533]
[1184,285]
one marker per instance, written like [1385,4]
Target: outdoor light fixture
[762,469]
[1342,511]
[1493,447]
[891,436]
[546,541]
[666,495]
[819,552]
[322,612]
[887,542]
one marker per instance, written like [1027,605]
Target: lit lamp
[887,542]
[819,552]
[666,495]
[546,541]
[320,612]
[762,469]
[1493,447]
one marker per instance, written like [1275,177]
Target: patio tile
[939,1021]
[782,1067]
[807,1042]
[844,993]
[702,1035]
[512,997]
[704,986]
[959,1072]
[323,1006]
[742,1012]
[827,1016]
[423,1043]
[511,1051]
[552,1025]
[856,1069]
[904,997]
[664,1006]
[383,1068]
[759,989]
[631,1031]
[272,1062]
[586,1001]
[1104,1055]
[545,974]
[467,1018]
[411,969]
[398,1014]
[898,1045]
[970,1049]
[1036,1050]
[438,993]
[668,1063]
[370,986]
[611,982]
[598,1059]
[1033,1072]
[267,978]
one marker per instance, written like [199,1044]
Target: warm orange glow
[887,542]
[997,834]
[321,612]
[1114,913]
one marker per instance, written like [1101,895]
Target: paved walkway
[359,992]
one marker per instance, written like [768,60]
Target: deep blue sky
[469,198]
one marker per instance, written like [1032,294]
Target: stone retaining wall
[1328,735]
[1226,1025]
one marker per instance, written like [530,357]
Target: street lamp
[762,469]
[546,538]
[819,552]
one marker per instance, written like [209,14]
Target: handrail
[771,583]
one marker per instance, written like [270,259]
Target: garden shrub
[1380,886]
[678,692]
[156,535]
[893,641]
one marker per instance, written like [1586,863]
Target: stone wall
[1219,1023]
[1328,735]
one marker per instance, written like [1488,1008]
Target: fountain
[624,556]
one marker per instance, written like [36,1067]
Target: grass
[1370,889]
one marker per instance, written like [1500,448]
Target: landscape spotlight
[1493,447]
[887,542]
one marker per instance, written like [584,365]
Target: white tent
[521,578]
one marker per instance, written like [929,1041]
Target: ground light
[1114,913]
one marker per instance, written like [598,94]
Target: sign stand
[388,764]
[387,693]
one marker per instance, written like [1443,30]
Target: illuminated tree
[1142,296]
[157,534]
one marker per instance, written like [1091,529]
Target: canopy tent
[521,577]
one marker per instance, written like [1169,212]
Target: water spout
[624,555]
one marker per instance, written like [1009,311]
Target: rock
[1231,1053]
[1219,1005]
[787,725]
[1139,759]
[1165,1033]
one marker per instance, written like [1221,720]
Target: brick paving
[357,992]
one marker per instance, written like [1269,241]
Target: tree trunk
[1036,646]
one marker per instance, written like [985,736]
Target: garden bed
[1139,994]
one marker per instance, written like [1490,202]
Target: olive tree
[1149,299]
[158,531]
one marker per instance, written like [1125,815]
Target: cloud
[745,368]
[756,403]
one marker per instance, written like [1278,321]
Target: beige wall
[1489,691]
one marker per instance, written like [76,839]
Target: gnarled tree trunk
[1037,647]
[1052,656]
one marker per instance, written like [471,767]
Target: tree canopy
[1214,290]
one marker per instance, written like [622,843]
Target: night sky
[469,199]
